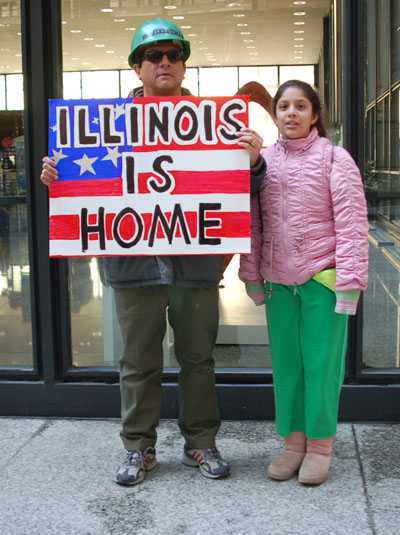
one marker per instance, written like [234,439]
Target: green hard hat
[153,31]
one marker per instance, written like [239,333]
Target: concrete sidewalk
[56,478]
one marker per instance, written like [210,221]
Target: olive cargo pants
[193,315]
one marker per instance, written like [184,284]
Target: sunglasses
[155,56]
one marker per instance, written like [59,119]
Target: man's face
[163,78]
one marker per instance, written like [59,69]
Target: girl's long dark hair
[312,96]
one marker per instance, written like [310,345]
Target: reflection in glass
[381,331]
[380,134]
[395,36]
[15,302]
[381,318]
[86,305]
[370,52]
[383,43]
[395,132]
[15,298]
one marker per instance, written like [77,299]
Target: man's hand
[252,142]
[49,171]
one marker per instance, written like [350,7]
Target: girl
[310,260]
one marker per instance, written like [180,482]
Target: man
[184,286]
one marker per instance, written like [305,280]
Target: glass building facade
[59,339]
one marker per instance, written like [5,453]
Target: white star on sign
[58,155]
[95,120]
[112,155]
[86,164]
[54,128]
[119,110]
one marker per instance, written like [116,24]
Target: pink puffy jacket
[313,215]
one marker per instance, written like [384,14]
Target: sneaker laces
[134,457]
[213,453]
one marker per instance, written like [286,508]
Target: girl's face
[294,113]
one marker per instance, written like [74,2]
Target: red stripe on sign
[64,227]
[147,219]
[233,225]
[236,181]
[83,188]
[109,225]
[202,182]
[191,218]
[173,145]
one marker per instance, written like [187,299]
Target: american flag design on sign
[149,176]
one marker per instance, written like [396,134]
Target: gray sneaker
[209,461]
[133,469]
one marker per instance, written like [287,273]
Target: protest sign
[149,176]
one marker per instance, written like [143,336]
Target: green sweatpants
[308,343]
[193,315]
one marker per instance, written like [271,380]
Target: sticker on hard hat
[160,31]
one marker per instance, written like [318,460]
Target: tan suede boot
[287,464]
[315,467]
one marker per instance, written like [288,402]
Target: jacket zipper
[284,219]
